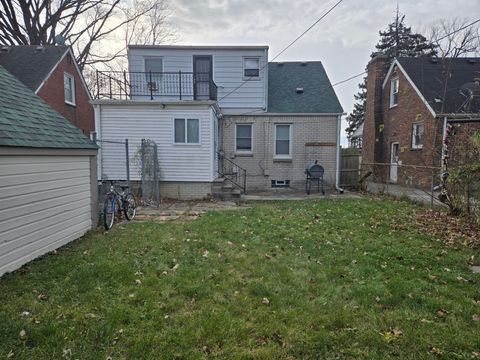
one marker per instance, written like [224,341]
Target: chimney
[372,135]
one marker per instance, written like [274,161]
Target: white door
[394,163]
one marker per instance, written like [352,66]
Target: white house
[219,115]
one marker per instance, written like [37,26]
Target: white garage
[48,193]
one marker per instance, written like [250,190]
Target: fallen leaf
[476,317]
[205,254]
[442,312]
[22,335]
[436,351]
[265,301]
[138,282]
[175,267]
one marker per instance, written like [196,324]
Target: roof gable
[315,93]
[27,121]
[440,81]
[31,64]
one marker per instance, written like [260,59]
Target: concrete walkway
[417,195]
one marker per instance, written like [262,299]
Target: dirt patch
[183,210]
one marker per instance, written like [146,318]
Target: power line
[348,79]
[284,49]
[453,32]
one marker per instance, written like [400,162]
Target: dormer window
[251,67]
[394,92]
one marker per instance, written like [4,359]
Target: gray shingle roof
[318,95]
[429,77]
[27,121]
[29,65]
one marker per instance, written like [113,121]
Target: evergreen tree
[397,40]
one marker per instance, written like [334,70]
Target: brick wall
[81,115]
[313,138]
[385,125]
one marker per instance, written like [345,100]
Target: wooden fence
[350,161]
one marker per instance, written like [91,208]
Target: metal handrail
[122,85]
[232,172]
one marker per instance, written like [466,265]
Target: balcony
[123,85]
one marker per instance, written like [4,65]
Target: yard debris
[205,254]
[435,351]
[22,335]
[392,335]
[476,317]
[138,282]
[25,313]
[265,301]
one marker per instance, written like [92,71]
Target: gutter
[339,147]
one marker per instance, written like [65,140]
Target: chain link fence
[414,182]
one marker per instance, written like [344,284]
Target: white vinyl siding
[136,122]
[228,73]
[45,202]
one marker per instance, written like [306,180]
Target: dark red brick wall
[396,125]
[81,115]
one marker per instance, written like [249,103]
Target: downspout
[444,137]
[339,147]
[98,135]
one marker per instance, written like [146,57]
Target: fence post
[143,167]
[180,82]
[155,175]
[127,159]
[151,85]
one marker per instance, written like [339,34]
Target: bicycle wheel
[109,211]
[129,206]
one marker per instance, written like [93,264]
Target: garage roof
[27,121]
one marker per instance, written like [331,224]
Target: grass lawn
[350,279]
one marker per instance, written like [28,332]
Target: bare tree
[92,27]
[454,38]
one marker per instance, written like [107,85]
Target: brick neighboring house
[408,108]
[52,73]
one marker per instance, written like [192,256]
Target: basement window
[394,92]
[280,183]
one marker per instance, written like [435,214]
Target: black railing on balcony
[155,85]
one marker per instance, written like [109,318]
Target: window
[251,67]
[394,92]
[243,138]
[153,70]
[69,88]
[417,136]
[280,183]
[187,131]
[282,141]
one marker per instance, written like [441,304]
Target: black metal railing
[232,172]
[124,85]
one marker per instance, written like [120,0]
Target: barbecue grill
[314,173]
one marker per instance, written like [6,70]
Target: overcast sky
[343,40]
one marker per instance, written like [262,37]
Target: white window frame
[185,143]
[240,151]
[392,92]
[246,77]
[414,127]
[69,76]
[290,138]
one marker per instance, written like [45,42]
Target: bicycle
[120,201]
